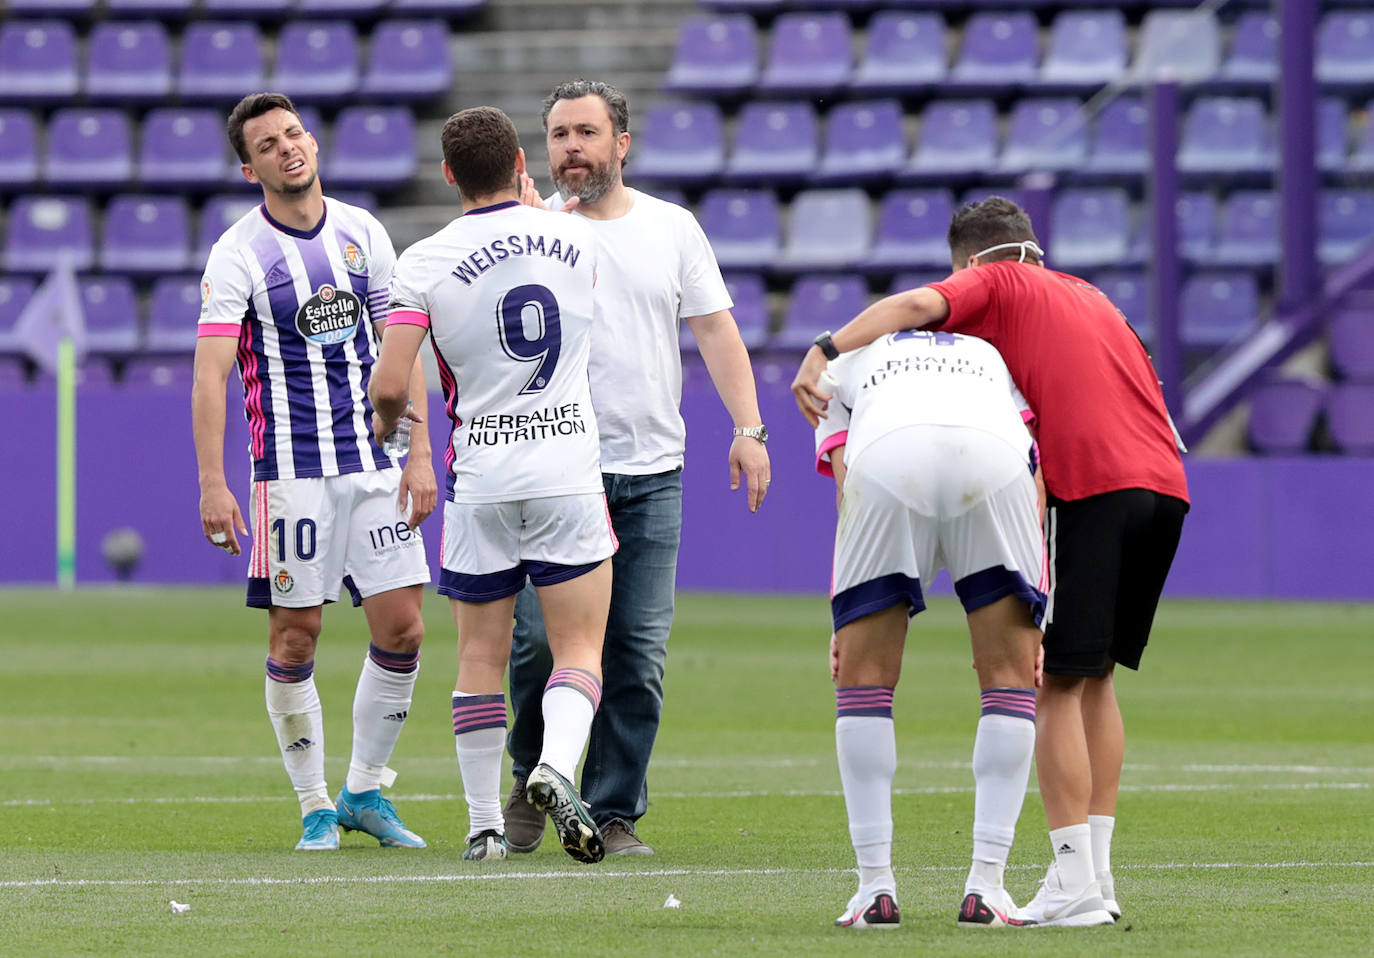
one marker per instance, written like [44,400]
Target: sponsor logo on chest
[330,316]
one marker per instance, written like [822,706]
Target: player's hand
[529,196]
[806,388]
[419,486]
[834,658]
[749,458]
[383,427]
[220,519]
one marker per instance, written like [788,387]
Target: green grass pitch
[137,766]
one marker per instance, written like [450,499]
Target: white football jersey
[506,292]
[917,377]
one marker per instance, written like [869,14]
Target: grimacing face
[282,156]
[584,152]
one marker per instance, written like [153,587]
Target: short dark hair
[480,146]
[993,221]
[251,106]
[615,102]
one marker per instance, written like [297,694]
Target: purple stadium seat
[1045,134]
[363,199]
[171,373]
[1283,413]
[1351,342]
[864,143]
[18,149]
[912,226]
[356,9]
[914,279]
[246,9]
[1120,145]
[1218,308]
[12,374]
[37,227]
[372,148]
[1180,45]
[715,56]
[1254,56]
[89,148]
[1249,232]
[145,235]
[1225,136]
[163,9]
[408,60]
[1087,48]
[172,311]
[809,55]
[750,309]
[37,61]
[1361,157]
[1333,121]
[744,227]
[979,193]
[317,62]
[670,195]
[184,149]
[1000,50]
[1350,417]
[904,51]
[220,213]
[819,303]
[1091,228]
[681,143]
[75,9]
[111,314]
[448,9]
[1346,224]
[829,229]
[1197,217]
[955,137]
[128,61]
[757,7]
[15,292]
[774,142]
[1129,294]
[1343,44]
[220,61]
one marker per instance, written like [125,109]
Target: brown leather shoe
[524,822]
[620,839]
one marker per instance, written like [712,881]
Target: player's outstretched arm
[727,360]
[220,518]
[389,389]
[911,309]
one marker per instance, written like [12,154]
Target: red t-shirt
[1101,417]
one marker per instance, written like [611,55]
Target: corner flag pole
[66,464]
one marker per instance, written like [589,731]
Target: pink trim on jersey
[823,465]
[449,385]
[610,526]
[408,317]
[252,381]
[1027,416]
[218,329]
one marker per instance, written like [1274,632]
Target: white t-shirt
[655,268]
[506,292]
[917,377]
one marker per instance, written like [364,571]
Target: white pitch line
[597,874]
[780,793]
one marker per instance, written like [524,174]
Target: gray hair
[577,89]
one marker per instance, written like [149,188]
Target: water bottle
[397,442]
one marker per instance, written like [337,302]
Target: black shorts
[1108,558]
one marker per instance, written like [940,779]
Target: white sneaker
[1054,907]
[1109,894]
[871,909]
[989,908]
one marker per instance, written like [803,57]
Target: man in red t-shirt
[1116,500]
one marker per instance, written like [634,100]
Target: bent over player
[291,291]
[934,468]
[505,292]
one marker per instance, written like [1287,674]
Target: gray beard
[599,182]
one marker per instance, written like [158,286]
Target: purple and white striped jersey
[302,305]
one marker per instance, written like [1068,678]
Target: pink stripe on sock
[579,680]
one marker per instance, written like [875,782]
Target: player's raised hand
[220,519]
[806,387]
[529,196]
[749,459]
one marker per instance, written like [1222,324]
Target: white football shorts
[928,497]
[310,536]
[489,548]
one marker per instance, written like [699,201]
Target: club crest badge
[283,581]
[355,260]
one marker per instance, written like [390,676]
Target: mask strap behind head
[1024,245]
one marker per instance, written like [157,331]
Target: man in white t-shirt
[505,292]
[655,271]
[934,468]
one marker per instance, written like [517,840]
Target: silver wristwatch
[753,432]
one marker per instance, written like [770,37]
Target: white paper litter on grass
[179,909]
[672,902]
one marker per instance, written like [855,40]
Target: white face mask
[1024,245]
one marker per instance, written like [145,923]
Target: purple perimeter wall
[1290,528]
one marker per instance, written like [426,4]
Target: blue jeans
[646,512]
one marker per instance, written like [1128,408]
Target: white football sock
[380,706]
[294,708]
[479,763]
[568,717]
[1074,855]
[1102,827]
[1002,752]
[867,749]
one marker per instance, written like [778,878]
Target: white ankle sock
[1073,854]
[568,717]
[866,746]
[1102,827]
[294,708]
[1002,752]
[479,757]
[380,707]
